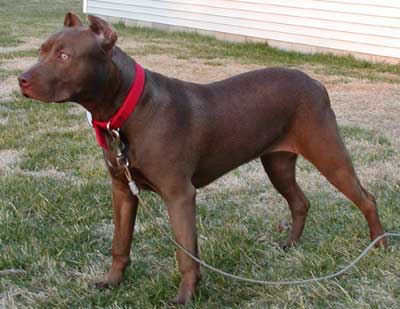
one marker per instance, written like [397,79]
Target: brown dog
[182,135]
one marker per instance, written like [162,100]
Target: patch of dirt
[76,128]
[52,173]
[9,160]
[377,293]
[4,109]
[10,84]
[76,110]
[5,100]
[7,87]
[386,172]
[29,43]
[3,121]
[193,69]
[369,105]
[126,44]
[18,63]
[11,298]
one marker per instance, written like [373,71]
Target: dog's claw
[104,285]
[289,244]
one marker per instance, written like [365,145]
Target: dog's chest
[141,181]
[117,172]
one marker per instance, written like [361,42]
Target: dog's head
[73,64]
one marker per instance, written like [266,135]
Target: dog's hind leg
[323,147]
[281,169]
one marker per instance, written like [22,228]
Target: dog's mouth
[27,92]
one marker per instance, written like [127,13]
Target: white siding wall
[360,26]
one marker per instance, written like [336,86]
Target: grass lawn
[55,214]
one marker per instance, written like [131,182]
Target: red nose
[23,80]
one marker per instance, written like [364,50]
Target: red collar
[124,111]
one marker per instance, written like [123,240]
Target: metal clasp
[122,161]
[117,145]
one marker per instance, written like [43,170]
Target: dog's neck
[121,74]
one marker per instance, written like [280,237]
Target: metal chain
[266,282]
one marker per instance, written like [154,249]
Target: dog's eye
[64,56]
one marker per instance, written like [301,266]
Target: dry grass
[8,159]
[27,44]
[8,87]
[18,64]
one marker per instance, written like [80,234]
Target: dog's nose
[23,80]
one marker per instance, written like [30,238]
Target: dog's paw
[101,285]
[106,283]
[175,301]
[186,294]
[287,245]
[179,301]
[382,243]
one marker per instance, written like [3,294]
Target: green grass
[35,18]
[364,134]
[371,145]
[19,54]
[59,230]
[56,232]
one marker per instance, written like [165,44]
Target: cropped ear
[72,20]
[103,30]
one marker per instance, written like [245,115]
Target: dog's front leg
[182,214]
[125,207]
